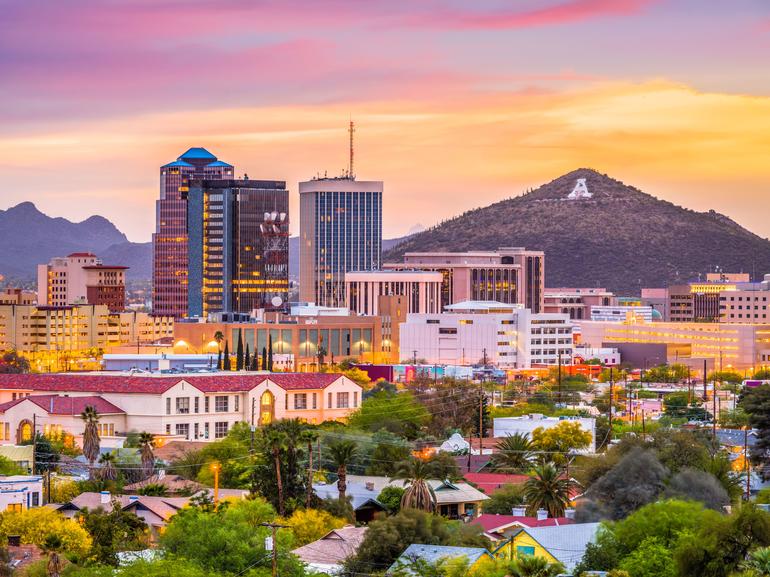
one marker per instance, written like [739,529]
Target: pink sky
[457,104]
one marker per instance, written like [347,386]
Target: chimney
[519,512]
[542,514]
[370,486]
[104,497]
[569,513]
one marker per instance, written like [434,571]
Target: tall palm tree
[218,338]
[758,562]
[90,436]
[52,545]
[419,494]
[342,453]
[531,566]
[308,437]
[108,471]
[515,454]
[547,489]
[146,453]
[276,442]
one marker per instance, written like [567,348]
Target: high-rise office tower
[169,276]
[238,246]
[340,231]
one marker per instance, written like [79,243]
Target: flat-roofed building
[576,302]
[421,290]
[81,278]
[17,296]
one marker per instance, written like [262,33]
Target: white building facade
[20,492]
[421,289]
[507,426]
[621,313]
[508,336]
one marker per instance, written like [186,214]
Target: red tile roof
[491,523]
[59,405]
[80,254]
[490,483]
[123,383]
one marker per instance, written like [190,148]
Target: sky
[457,104]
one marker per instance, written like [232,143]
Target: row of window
[221,404]
[199,430]
[343,401]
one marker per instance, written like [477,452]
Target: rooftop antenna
[351,130]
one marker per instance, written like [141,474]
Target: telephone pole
[612,399]
[271,545]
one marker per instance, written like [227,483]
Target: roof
[17,453]
[434,553]
[481,306]
[172,483]
[490,483]
[496,523]
[220,163]
[197,153]
[60,405]
[124,383]
[75,254]
[334,547]
[736,437]
[567,543]
[175,449]
[106,267]
[163,507]
[177,163]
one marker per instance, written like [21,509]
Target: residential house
[491,483]
[327,554]
[20,492]
[435,553]
[501,527]
[565,544]
[185,406]
[735,441]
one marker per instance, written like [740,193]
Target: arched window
[266,408]
[25,432]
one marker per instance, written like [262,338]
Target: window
[355,399]
[329,406]
[447,331]
[197,404]
[315,401]
[525,550]
[196,432]
[236,402]
[183,429]
[300,401]
[221,403]
[205,404]
[168,406]
[168,429]
[182,405]
[36,499]
[17,507]
[220,429]
[205,430]
[343,400]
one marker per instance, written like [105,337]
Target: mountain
[29,238]
[615,236]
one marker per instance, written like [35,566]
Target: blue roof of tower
[198,153]
[176,163]
[220,163]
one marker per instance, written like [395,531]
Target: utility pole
[714,399]
[481,415]
[705,373]
[414,357]
[558,378]
[746,466]
[34,442]
[612,399]
[271,545]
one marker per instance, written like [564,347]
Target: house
[173,484]
[20,492]
[453,499]
[733,441]
[565,544]
[434,553]
[501,527]
[327,554]
[192,407]
[491,483]
[20,455]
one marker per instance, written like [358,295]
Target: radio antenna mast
[351,130]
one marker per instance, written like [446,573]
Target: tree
[758,563]
[388,452]
[239,352]
[358,376]
[276,440]
[146,453]
[52,546]
[531,566]
[309,525]
[321,354]
[391,498]
[676,405]
[756,403]
[12,362]
[560,440]
[226,361]
[547,489]
[90,436]
[270,352]
[108,471]
[309,436]
[514,454]
[504,500]
[247,359]
[34,525]
[398,413]
[650,559]
[342,454]
[698,486]
[732,377]
[219,337]
[264,359]
[419,494]
[47,455]
[113,531]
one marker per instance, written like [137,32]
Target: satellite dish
[277,301]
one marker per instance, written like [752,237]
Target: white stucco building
[20,492]
[510,336]
[507,426]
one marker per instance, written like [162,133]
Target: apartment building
[81,278]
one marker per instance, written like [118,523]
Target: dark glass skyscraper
[169,275]
[340,231]
[238,249]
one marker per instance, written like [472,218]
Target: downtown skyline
[455,106]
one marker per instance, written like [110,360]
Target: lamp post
[216,467]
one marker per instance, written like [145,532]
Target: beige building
[17,296]
[77,328]
[421,290]
[81,278]
[577,302]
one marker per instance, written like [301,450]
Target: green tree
[514,454]
[650,559]
[113,531]
[239,352]
[47,455]
[505,499]
[758,563]
[391,497]
[146,453]
[308,525]
[264,359]
[277,442]
[531,566]
[218,338]
[226,366]
[548,489]
[419,494]
[247,358]
[52,546]
[270,352]
[756,403]
[34,525]
[388,452]
[90,436]
[444,466]
[676,405]
[108,472]
[342,453]
[556,442]
[728,376]
[12,362]
[399,413]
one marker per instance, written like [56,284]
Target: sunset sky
[457,103]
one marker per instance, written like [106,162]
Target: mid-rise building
[507,275]
[421,290]
[576,302]
[504,335]
[721,298]
[169,243]
[340,232]
[17,296]
[621,313]
[238,245]
[81,278]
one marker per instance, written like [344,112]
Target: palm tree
[90,436]
[309,436]
[52,545]
[547,489]
[108,471]
[514,454]
[276,441]
[419,494]
[531,566]
[145,451]
[342,454]
[758,562]
[219,337]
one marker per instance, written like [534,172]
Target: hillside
[619,238]
[29,237]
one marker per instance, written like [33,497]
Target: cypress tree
[239,353]
[219,360]
[226,360]
[270,353]
[264,359]
[247,359]
[255,362]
